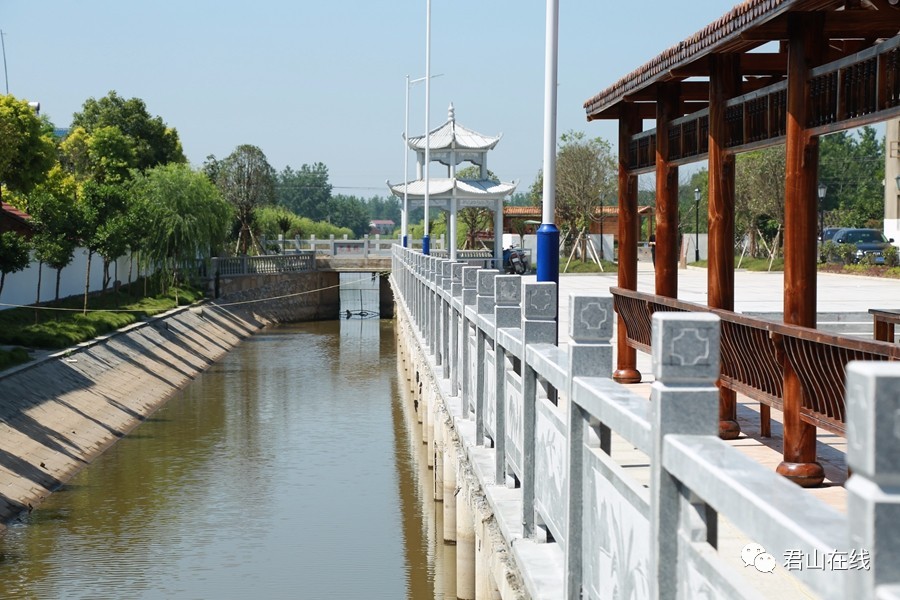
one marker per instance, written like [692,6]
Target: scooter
[515,261]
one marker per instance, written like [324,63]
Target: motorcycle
[515,261]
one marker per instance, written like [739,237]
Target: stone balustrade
[545,436]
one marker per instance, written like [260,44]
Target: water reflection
[285,471]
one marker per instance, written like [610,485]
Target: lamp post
[404,227]
[823,189]
[426,238]
[548,233]
[696,224]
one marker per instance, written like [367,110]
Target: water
[284,471]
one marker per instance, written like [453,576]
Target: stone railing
[297,262]
[558,431]
[339,247]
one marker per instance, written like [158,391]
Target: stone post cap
[539,301]
[591,319]
[486,281]
[470,278]
[446,268]
[873,420]
[508,290]
[685,347]
[456,271]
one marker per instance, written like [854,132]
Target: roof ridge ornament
[451,113]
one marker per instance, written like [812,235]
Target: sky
[312,82]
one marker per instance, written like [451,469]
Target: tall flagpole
[548,234]
[426,239]
[404,221]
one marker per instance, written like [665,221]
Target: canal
[287,470]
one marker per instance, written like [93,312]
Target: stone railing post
[469,297]
[590,354]
[507,314]
[443,298]
[366,245]
[685,400]
[455,321]
[539,306]
[484,305]
[873,490]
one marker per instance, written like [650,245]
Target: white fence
[20,289]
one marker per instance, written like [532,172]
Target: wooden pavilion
[768,72]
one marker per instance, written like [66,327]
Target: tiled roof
[478,188]
[452,135]
[14,212]
[720,32]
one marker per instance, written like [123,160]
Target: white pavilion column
[498,235]
[453,210]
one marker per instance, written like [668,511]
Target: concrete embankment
[57,414]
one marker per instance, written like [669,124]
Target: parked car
[828,233]
[868,242]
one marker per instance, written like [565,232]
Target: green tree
[100,214]
[585,171]
[305,192]
[154,143]
[51,207]
[851,165]
[26,147]
[13,255]
[190,218]
[247,181]
[473,220]
[760,196]
[349,212]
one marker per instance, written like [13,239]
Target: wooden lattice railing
[755,352]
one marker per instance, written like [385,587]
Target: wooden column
[626,356]
[667,108]
[724,83]
[806,46]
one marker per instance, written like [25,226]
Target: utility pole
[5,74]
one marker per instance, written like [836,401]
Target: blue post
[405,241]
[426,245]
[548,253]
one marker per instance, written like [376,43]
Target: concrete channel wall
[59,413]
[527,439]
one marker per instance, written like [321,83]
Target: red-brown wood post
[724,83]
[626,356]
[667,108]
[805,47]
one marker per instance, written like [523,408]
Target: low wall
[283,297]
[57,414]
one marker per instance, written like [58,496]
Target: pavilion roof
[850,25]
[453,135]
[464,188]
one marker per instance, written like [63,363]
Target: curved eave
[446,137]
[727,33]
[464,188]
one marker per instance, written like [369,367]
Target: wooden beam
[838,25]
[666,249]
[807,45]
[724,84]
[626,356]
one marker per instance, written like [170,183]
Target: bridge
[558,482]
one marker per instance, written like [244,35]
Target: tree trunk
[58,277]
[87,281]
[38,299]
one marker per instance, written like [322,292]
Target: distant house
[13,219]
[605,219]
[381,226]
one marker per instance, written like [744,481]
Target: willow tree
[190,218]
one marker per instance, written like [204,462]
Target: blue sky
[324,81]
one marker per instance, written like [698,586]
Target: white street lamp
[426,238]
[404,225]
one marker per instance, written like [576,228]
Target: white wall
[21,288]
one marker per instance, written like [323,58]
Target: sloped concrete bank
[59,413]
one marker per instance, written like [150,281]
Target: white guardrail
[550,413]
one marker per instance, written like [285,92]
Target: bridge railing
[367,246]
[297,262]
[572,443]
